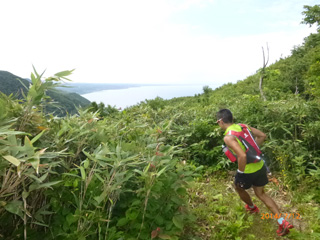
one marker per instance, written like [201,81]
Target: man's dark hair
[225,115]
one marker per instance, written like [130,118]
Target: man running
[243,142]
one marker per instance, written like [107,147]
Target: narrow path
[221,215]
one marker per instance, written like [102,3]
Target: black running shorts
[258,179]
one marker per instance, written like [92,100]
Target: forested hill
[66,102]
[297,75]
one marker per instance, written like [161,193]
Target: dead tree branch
[265,63]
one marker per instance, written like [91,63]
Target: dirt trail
[215,203]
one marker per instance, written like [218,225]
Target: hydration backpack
[245,137]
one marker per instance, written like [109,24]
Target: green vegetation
[102,110]
[62,102]
[156,170]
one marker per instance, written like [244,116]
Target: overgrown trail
[221,215]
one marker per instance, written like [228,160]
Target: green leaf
[287,131]
[122,222]
[40,224]
[71,219]
[118,151]
[178,221]
[164,236]
[43,177]
[15,207]
[83,173]
[162,171]
[37,137]
[159,220]
[63,74]
[136,202]
[181,191]
[22,84]
[25,194]
[100,198]
[27,142]
[33,186]
[86,163]
[13,160]
[7,132]
[152,145]
[35,162]
[75,183]
[138,171]
[199,168]
[100,178]
[48,184]
[218,196]
[28,148]
[35,71]
[132,214]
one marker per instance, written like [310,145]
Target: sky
[148,41]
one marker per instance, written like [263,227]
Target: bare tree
[265,63]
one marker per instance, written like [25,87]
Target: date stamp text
[286,216]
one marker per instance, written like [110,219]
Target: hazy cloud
[137,41]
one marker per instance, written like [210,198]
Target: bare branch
[265,63]
[268,55]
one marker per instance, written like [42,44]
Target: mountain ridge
[68,102]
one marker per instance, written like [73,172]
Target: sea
[122,98]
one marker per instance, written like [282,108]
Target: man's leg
[284,226]
[268,201]
[244,195]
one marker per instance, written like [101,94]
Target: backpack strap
[246,129]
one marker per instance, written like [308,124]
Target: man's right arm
[232,143]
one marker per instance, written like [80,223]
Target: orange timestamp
[280,215]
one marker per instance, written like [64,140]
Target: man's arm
[258,135]
[232,143]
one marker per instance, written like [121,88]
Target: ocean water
[122,98]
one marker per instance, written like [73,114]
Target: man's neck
[226,125]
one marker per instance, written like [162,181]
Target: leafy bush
[80,178]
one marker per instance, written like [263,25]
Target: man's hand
[240,180]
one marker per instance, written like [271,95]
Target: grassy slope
[221,214]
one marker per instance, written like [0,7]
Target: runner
[243,144]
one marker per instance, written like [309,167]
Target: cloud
[136,41]
[187,4]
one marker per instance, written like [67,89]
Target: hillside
[65,101]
